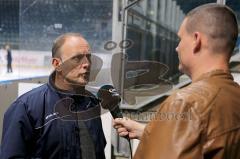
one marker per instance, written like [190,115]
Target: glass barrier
[151,61]
[28,29]
[234,5]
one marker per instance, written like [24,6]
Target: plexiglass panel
[151,61]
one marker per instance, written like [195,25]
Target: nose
[176,49]
[86,62]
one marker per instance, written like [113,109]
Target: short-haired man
[202,120]
[52,121]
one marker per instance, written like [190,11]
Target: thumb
[121,121]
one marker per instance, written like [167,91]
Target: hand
[128,127]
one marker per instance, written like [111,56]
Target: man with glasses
[60,119]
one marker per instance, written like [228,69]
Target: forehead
[182,27]
[74,46]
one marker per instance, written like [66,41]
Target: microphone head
[109,97]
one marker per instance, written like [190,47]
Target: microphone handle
[116,113]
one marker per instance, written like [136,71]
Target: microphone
[110,99]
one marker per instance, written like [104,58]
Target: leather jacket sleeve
[173,133]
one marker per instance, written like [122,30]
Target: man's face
[184,49]
[76,61]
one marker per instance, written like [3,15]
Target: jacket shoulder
[203,89]
[31,100]
[197,96]
[34,94]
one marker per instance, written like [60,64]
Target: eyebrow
[80,54]
[84,52]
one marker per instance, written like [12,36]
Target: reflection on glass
[234,5]
[30,26]
[42,21]
[152,25]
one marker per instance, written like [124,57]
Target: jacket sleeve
[174,133]
[17,132]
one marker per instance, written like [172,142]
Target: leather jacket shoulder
[199,121]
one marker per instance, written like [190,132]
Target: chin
[82,82]
[180,68]
[77,82]
[184,70]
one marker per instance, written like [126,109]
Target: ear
[56,64]
[197,42]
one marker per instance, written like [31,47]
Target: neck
[208,67]
[212,63]
[62,84]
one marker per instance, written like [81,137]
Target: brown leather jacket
[200,121]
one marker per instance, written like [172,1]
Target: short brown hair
[218,22]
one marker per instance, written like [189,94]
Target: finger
[123,134]
[120,130]
[118,126]
[132,135]
[115,123]
[119,121]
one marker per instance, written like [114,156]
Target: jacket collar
[61,92]
[215,73]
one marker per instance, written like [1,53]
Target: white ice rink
[22,73]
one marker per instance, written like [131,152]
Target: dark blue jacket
[9,56]
[36,126]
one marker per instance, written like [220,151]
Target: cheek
[180,47]
[183,50]
[73,73]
